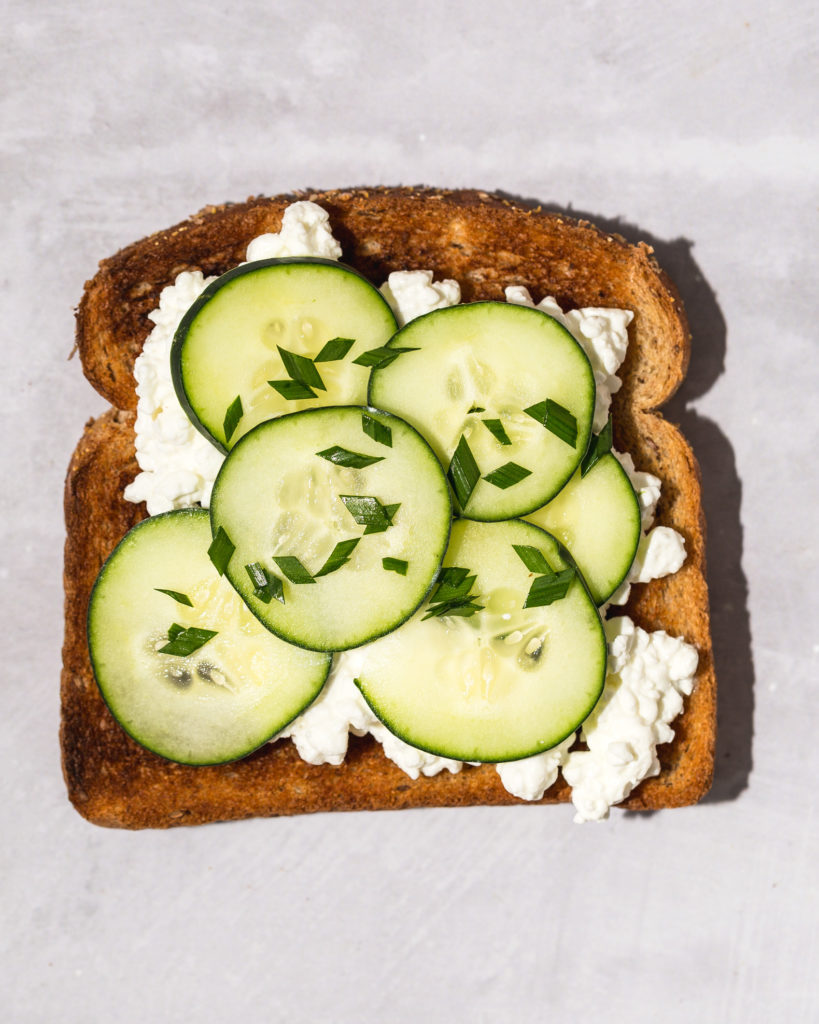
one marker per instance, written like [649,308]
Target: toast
[485,243]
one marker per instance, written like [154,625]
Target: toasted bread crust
[485,243]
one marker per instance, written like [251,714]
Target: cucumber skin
[603,596]
[395,341]
[184,324]
[413,742]
[146,523]
[371,410]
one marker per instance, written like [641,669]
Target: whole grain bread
[484,242]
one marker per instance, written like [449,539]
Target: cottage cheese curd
[178,464]
[643,693]
[603,336]
[305,231]
[411,293]
[648,675]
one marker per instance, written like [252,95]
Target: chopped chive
[395,565]
[232,416]
[495,427]
[554,417]
[292,389]
[381,357]
[221,550]
[463,472]
[379,527]
[369,512]
[452,574]
[339,556]
[477,408]
[533,559]
[265,584]
[336,348]
[183,642]
[181,598]
[386,522]
[507,475]
[377,430]
[446,592]
[452,595]
[293,569]
[344,457]
[547,589]
[600,446]
[301,369]
[465,609]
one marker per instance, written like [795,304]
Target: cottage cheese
[648,675]
[530,778]
[411,293]
[603,336]
[178,464]
[178,467]
[305,231]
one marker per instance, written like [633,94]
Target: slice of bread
[485,243]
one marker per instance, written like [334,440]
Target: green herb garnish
[600,446]
[495,427]
[265,584]
[336,348]
[221,550]
[452,594]
[395,565]
[453,588]
[463,472]
[377,430]
[533,559]
[339,556]
[181,598]
[292,389]
[546,589]
[507,475]
[301,369]
[369,512]
[344,457]
[293,569]
[381,356]
[232,416]
[183,642]
[554,417]
[477,408]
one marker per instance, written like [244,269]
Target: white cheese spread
[648,675]
[601,333]
[411,293]
[179,465]
[305,231]
[530,778]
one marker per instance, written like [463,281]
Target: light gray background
[690,125]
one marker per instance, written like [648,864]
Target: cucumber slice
[224,699]
[506,683]
[477,368]
[227,345]
[279,495]
[597,517]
